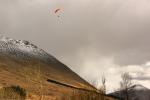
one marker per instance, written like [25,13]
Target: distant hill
[24,64]
[136,92]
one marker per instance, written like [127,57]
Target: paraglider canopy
[57,10]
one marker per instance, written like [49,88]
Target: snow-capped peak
[23,49]
[17,42]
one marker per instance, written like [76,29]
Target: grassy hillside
[34,78]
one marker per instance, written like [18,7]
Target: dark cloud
[110,28]
[142,78]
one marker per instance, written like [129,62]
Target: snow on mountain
[24,64]
[23,49]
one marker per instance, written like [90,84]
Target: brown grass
[28,76]
[12,93]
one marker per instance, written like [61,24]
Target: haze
[92,37]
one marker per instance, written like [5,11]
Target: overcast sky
[92,37]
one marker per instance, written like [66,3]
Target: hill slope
[136,92]
[26,65]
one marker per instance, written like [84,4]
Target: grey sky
[92,37]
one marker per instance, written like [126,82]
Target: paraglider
[56,11]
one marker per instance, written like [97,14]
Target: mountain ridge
[23,63]
[135,92]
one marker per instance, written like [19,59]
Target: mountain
[24,64]
[136,92]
